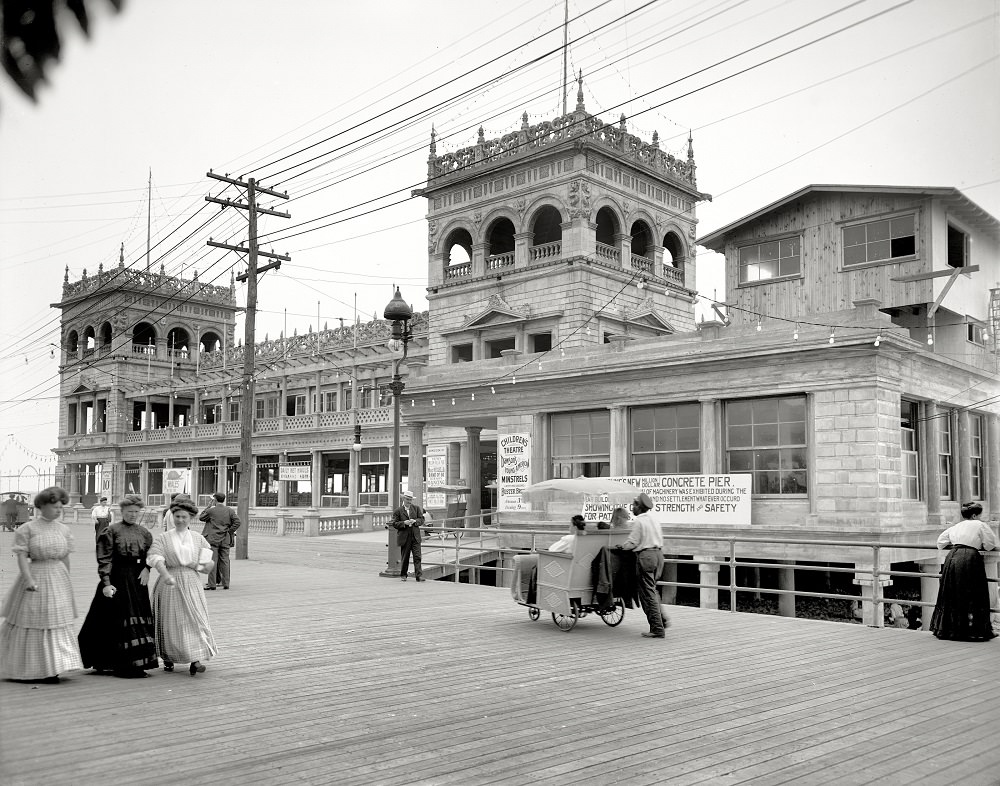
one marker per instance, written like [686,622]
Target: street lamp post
[400,314]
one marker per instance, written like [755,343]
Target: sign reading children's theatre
[697,499]
[514,460]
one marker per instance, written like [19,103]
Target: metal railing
[488,539]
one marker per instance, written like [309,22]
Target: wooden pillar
[786,581]
[474,476]
[415,480]
[619,441]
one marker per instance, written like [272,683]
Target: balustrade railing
[642,263]
[609,253]
[545,251]
[458,271]
[497,261]
[673,274]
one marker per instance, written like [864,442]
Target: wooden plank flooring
[329,674]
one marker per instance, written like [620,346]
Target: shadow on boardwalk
[329,674]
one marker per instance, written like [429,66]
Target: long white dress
[183,632]
[38,637]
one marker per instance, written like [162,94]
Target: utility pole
[249,341]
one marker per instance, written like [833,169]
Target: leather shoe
[403,578]
[197,668]
[420,578]
[209,588]
[654,635]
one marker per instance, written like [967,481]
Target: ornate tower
[560,234]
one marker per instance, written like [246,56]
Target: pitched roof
[953,198]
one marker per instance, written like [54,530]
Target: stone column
[478,259]
[196,415]
[619,440]
[317,477]
[282,485]
[353,477]
[711,459]
[283,397]
[623,242]
[963,461]
[474,475]
[144,479]
[709,579]
[928,589]
[454,462]
[81,416]
[932,477]
[657,259]
[222,467]
[541,454]
[786,581]
[93,420]
[991,426]
[522,246]
[171,397]
[73,471]
[415,479]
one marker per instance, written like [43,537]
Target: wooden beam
[944,291]
[937,274]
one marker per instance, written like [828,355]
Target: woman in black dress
[118,634]
[962,611]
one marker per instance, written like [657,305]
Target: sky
[334,101]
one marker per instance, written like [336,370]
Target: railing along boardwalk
[329,674]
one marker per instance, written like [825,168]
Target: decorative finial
[66,276]
[621,122]
[656,139]
[85,274]
[524,122]
[579,93]
[433,141]
[163,269]
[482,136]
[195,275]
[690,146]
[121,255]
[100,269]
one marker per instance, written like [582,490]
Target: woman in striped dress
[38,638]
[183,632]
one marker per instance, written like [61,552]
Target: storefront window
[266,482]
[581,444]
[767,439]
[666,439]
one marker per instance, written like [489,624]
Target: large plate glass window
[666,439]
[766,438]
[581,444]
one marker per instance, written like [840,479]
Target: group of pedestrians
[128,629]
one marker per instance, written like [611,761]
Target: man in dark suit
[407,520]
[221,523]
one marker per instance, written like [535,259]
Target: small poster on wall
[514,470]
[437,474]
[176,481]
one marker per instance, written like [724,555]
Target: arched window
[72,342]
[458,247]
[673,250]
[177,343]
[546,226]
[89,339]
[106,334]
[143,339]
[210,342]
[500,237]
[642,240]
[607,226]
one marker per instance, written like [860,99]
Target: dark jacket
[221,523]
[407,533]
[614,576]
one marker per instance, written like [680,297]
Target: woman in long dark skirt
[118,634]
[962,611]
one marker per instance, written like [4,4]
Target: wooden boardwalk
[329,674]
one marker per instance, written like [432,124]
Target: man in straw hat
[646,540]
[407,519]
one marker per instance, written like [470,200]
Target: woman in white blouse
[962,611]
[181,556]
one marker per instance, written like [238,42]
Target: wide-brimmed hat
[408,494]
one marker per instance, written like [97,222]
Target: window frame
[740,268]
[572,463]
[869,220]
[677,453]
[779,446]
[913,418]
[966,250]
[977,449]
[946,455]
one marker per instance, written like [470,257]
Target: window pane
[878,251]
[642,441]
[665,440]
[789,247]
[688,415]
[740,460]
[666,463]
[854,236]
[644,464]
[903,247]
[767,270]
[855,255]
[766,434]
[749,254]
[765,410]
[877,230]
[768,251]
[791,409]
[689,463]
[738,412]
[788,267]
[642,418]
[899,227]
[740,436]
[792,433]
[687,439]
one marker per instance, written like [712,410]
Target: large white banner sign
[514,464]
[696,499]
